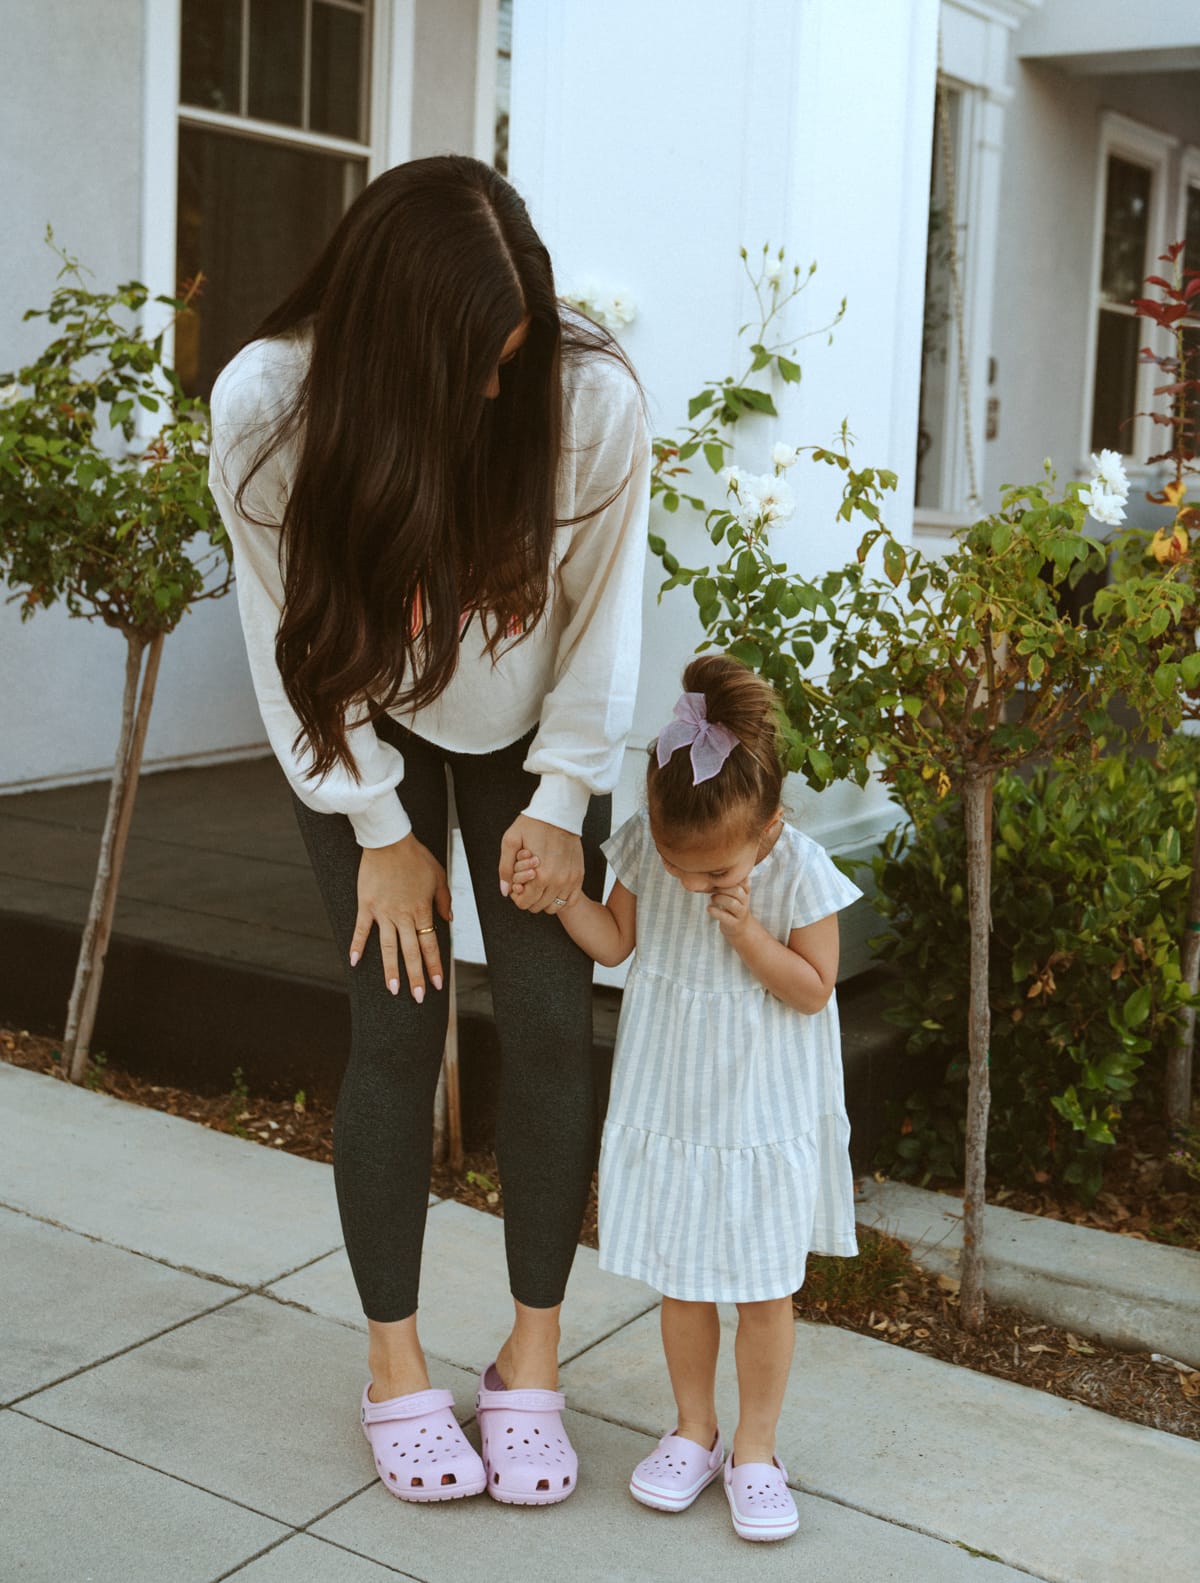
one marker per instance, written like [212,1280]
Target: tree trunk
[977,810]
[1178,1095]
[89,970]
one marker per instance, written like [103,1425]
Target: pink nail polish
[394,985]
[418,994]
[437,981]
[504,887]
[354,959]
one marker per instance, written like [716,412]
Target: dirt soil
[880,1294]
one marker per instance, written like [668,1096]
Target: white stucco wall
[71,123]
[651,142]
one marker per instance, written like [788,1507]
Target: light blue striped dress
[725,1158]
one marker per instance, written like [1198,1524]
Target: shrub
[1089,893]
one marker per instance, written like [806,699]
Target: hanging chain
[956,280]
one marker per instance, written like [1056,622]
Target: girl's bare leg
[691,1336]
[766,1336]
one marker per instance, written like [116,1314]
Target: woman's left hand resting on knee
[555,880]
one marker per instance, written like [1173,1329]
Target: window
[503,82]
[273,147]
[940,410]
[1130,237]
[1123,266]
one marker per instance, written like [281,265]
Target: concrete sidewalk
[181,1355]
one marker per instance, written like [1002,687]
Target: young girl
[725,1157]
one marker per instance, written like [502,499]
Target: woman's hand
[399,886]
[557,878]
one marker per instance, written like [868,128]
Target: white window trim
[487,36]
[1141,145]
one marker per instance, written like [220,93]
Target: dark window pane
[1126,216]
[938,408]
[1116,382]
[277,61]
[334,98]
[252,216]
[1191,254]
[210,52]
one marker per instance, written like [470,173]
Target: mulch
[881,1294]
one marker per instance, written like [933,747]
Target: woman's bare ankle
[395,1360]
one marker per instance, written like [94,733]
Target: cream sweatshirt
[574,675]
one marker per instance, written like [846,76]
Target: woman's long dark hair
[415,497]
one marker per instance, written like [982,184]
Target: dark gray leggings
[541,991]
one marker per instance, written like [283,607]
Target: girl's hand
[557,881]
[524,872]
[399,888]
[731,909]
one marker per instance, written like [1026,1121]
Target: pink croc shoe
[420,1452]
[526,1454]
[675,1472]
[759,1500]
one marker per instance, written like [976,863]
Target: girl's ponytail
[749,784]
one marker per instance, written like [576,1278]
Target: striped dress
[725,1158]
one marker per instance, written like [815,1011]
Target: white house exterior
[652,139]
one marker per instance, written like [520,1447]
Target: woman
[435,482]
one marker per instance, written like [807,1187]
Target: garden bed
[880,1294]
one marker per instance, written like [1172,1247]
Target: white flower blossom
[1110,474]
[1106,494]
[612,309]
[772,270]
[785,455]
[10,394]
[775,498]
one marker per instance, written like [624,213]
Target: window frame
[389,45]
[1152,150]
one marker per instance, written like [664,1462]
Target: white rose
[776,501]
[9,395]
[1110,474]
[731,477]
[772,270]
[1103,505]
[785,455]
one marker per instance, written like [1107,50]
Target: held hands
[399,888]
[552,880]
[731,909]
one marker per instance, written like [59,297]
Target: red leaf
[1157,280]
[1172,253]
[1192,287]
[1173,390]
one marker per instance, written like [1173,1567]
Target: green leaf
[700,403]
[894,561]
[704,589]
[714,455]
[746,572]
[749,653]
[789,370]
[756,400]
[1137,1007]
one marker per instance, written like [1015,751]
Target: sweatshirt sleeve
[588,712]
[246,399]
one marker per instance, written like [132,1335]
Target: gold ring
[432,929]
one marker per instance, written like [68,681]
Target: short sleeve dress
[725,1158]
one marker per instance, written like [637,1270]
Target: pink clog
[759,1500]
[420,1452]
[527,1457]
[675,1472]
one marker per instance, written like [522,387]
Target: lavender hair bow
[711,743]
